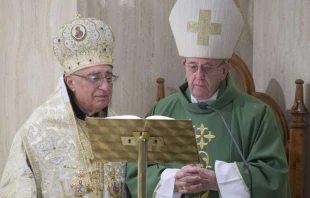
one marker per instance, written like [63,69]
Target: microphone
[204,105]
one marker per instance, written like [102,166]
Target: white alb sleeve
[230,181]
[165,187]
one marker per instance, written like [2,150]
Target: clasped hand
[192,179]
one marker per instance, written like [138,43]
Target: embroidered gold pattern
[82,43]
[114,186]
[79,184]
[202,136]
[114,173]
[205,195]
[96,186]
[50,137]
[205,160]
[204,27]
[203,139]
[55,148]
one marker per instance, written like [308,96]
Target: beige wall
[282,54]
[274,44]
[28,70]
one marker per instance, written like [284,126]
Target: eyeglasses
[98,80]
[206,69]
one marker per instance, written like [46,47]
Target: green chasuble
[254,127]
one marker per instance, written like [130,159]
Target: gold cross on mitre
[204,27]
[77,15]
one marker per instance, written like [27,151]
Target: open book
[154,117]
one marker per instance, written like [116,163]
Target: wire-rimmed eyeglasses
[98,80]
[206,69]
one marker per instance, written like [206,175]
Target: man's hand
[191,179]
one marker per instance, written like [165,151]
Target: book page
[153,117]
[123,117]
[159,117]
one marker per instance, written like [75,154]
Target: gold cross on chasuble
[203,136]
[204,27]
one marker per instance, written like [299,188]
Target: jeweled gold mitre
[83,43]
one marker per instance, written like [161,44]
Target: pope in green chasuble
[252,124]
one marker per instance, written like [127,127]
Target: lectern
[143,141]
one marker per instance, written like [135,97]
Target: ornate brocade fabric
[54,144]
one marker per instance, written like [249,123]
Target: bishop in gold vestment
[50,154]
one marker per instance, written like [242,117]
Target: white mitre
[206,28]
